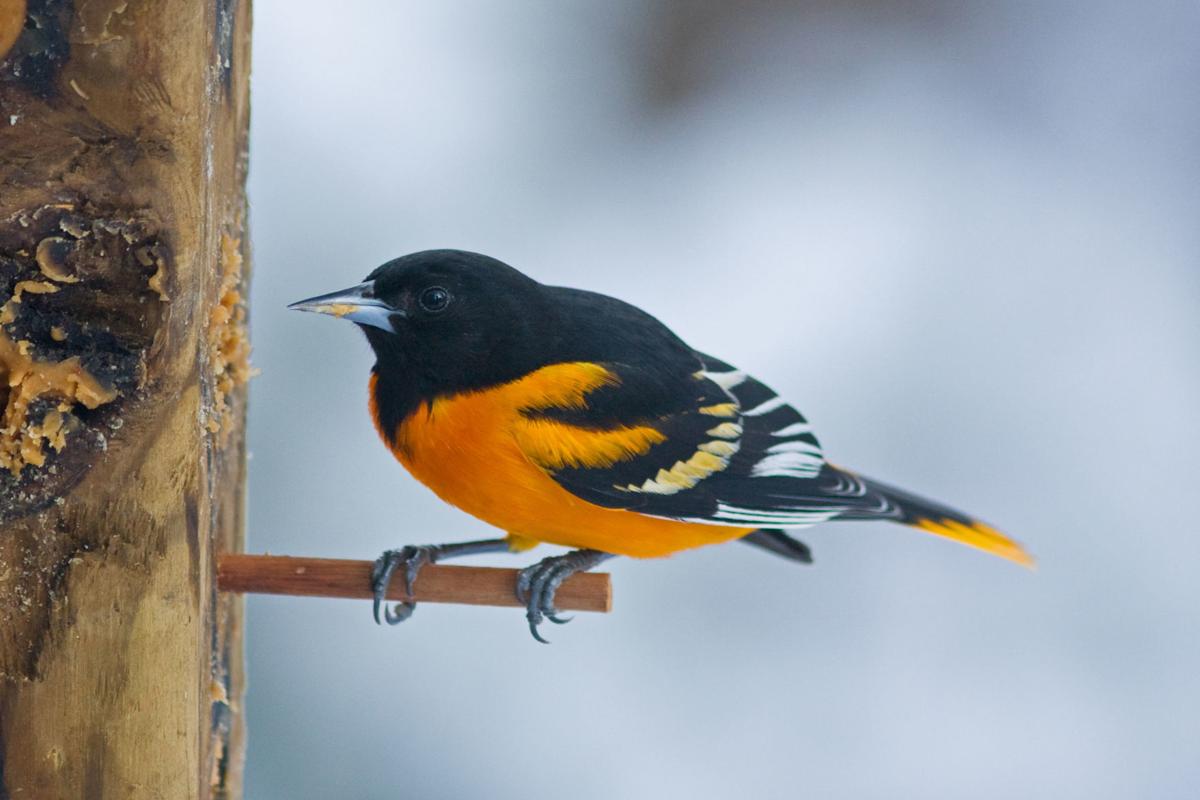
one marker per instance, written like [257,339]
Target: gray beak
[357,304]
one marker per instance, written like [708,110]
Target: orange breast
[474,451]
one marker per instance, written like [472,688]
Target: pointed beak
[357,304]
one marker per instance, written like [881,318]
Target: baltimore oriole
[568,417]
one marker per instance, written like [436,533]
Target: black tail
[928,515]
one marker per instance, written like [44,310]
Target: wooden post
[122,362]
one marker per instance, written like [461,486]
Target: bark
[123,356]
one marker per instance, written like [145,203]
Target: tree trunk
[123,355]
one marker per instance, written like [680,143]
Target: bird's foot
[412,558]
[537,585]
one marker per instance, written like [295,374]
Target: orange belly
[465,450]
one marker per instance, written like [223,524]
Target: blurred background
[961,238]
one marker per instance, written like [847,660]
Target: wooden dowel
[437,583]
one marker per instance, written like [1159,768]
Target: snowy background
[961,238]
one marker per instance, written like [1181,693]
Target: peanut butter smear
[24,379]
[228,339]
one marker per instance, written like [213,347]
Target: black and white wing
[732,452]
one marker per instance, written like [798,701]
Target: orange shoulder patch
[558,385]
[552,444]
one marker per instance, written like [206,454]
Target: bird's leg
[537,584]
[413,558]
[780,544]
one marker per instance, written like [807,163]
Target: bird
[572,418]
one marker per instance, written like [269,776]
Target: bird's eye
[434,299]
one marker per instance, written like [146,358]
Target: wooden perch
[329,577]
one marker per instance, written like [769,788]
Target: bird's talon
[538,583]
[401,612]
[416,557]
[413,557]
[534,621]
[381,577]
[522,588]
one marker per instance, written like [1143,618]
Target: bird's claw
[413,558]
[398,613]
[537,585]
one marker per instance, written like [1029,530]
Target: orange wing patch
[554,445]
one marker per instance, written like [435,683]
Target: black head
[447,321]
[442,321]
[463,319]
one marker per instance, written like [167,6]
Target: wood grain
[437,583]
